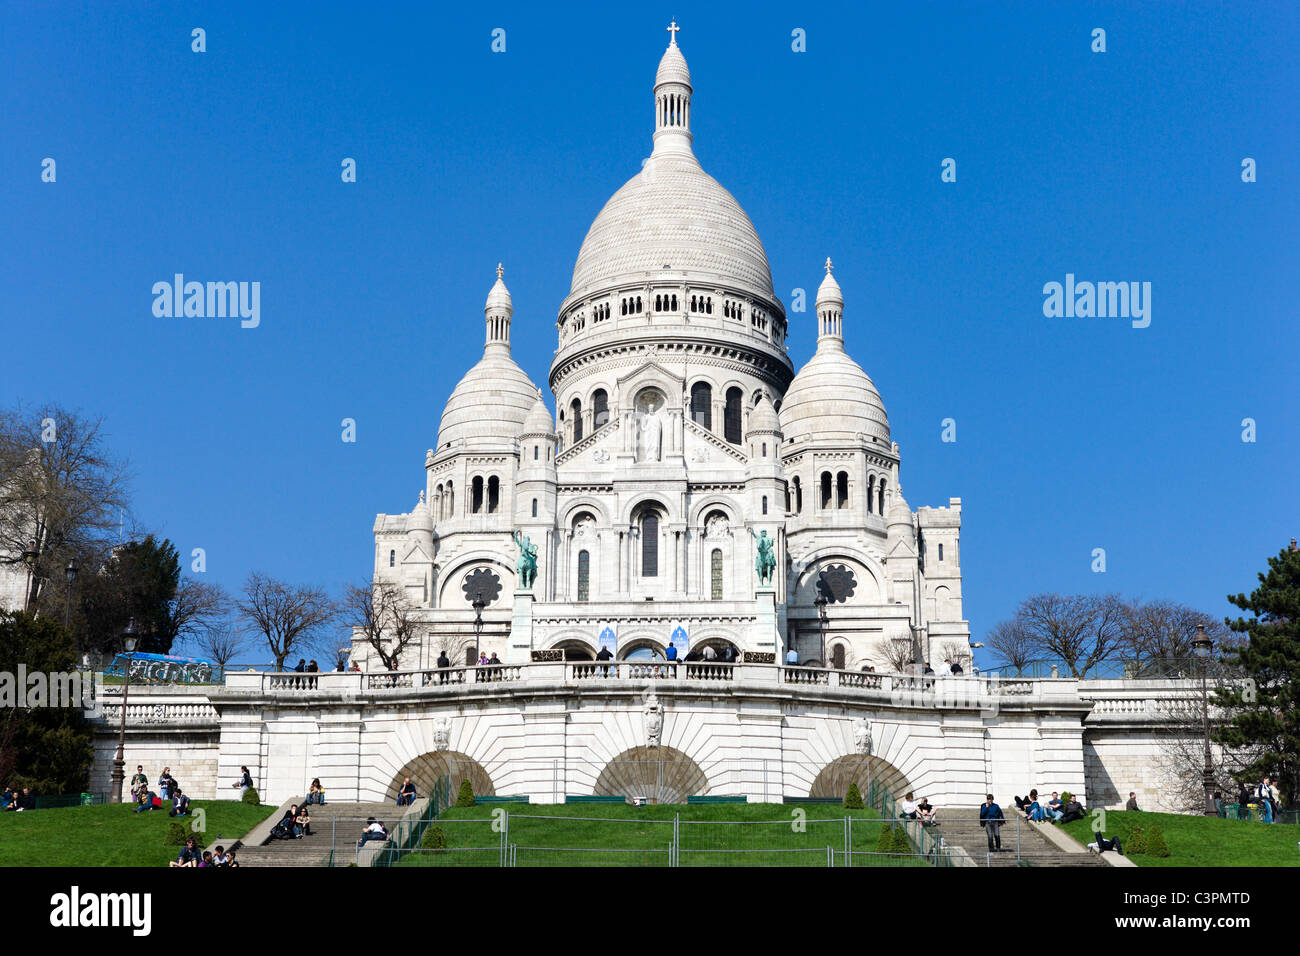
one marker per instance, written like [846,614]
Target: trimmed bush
[1065,797]
[1155,843]
[1136,842]
[466,796]
[250,796]
[178,833]
[853,799]
[434,839]
[901,843]
[886,839]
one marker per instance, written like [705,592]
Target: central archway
[426,769]
[862,769]
[655,774]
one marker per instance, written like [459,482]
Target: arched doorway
[426,769]
[576,651]
[862,769]
[656,774]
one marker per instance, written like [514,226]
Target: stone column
[520,643]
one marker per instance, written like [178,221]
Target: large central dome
[672,215]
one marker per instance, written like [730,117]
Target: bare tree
[1012,643]
[220,645]
[900,656]
[198,608]
[62,494]
[288,616]
[382,617]
[1082,630]
[1158,636]
[958,652]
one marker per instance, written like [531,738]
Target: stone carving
[765,562]
[701,455]
[650,432]
[861,736]
[526,566]
[482,583]
[442,733]
[717,527]
[584,527]
[601,456]
[654,720]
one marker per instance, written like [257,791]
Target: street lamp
[30,554]
[71,573]
[129,639]
[820,603]
[478,621]
[1201,646]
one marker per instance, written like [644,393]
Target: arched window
[731,416]
[871,494]
[880,497]
[536,448]
[842,490]
[649,545]
[494,494]
[702,405]
[476,494]
[599,408]
[584,576]
[764,449]
[392,559]
[715,574]
[940,552]
[575,414]
[837,657]
[450,501]
[674,303]
[765,504]
[826,489]
[534,507]
[798,496]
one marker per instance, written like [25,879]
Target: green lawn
[741,834]
[112,835]
[1203,841]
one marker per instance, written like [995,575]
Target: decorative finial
[829,267]
[672,32]
[421,496]
[501,270]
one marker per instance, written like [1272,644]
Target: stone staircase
[344,820]
[961,829]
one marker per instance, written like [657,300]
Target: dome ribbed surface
[490,403]
[832,397]
[672,214]
[672,67]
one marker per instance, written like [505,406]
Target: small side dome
[420,519]
[828,293]
[498,300]
[764,418]
[899,512]
[539,421]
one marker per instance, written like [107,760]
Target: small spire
[829,267]
[421,496]
[501,272]
[672,32]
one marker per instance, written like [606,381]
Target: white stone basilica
[682,432]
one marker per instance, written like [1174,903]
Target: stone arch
[575,649]
[574,506]
[833,780]
[426,769]
[713,503]
[805,585]
[450,577]
[638,502]
[656,774]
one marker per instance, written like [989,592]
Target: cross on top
[829,267]
[501,270]
[672,32]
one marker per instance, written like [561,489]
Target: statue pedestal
[764,636]
[520,644]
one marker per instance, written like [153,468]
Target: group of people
[306,667]
[911,809]
[193,855]
[17,800]
[294,825]
[1054,810]
[169,793]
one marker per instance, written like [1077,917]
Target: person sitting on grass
[316,793]
[406,796]
[180,804]
[190,854]
[1074,810]
[374,831]
[927,814]
[207,859]
[230,859]
[7,800]
[219,856]
[143,802]
[1054,807]
[302,823]
[1132,802]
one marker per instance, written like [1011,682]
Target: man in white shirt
[709,654]
[944,669]
[908,806]
[791,658]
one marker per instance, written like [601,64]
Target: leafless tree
[382,618]
[198,608]
[899,656]
[220,645]
[288,616]
[61,490]
[1012,643]
[957,652]
[1158,636]
[1080,630]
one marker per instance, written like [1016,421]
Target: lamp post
[129,638]
[30,554]
[478,621]
[1201,647]
[820,603]
[71,573]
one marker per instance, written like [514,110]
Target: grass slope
[743,834]
[1202,841]
[112,835]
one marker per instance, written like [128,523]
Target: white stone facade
[681,431]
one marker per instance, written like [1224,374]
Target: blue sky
[1072,434]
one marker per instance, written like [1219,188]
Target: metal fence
[69,800]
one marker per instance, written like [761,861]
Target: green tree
[1263,709]
[46,748]
[466,796]
[138,580]
[853,799]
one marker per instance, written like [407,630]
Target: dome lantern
[497,310]
[830,311]
[672,94]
